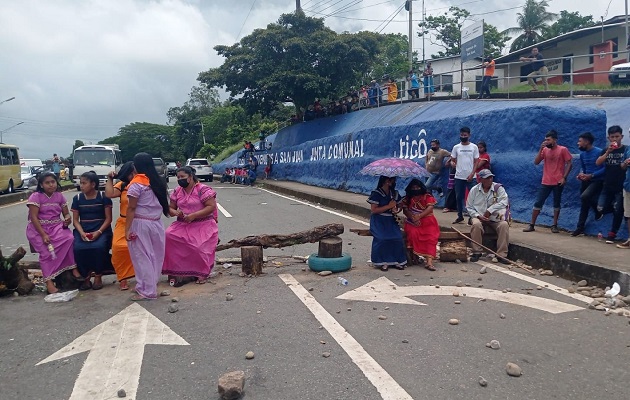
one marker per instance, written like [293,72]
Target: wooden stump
[330,247]
[453,247]
[252,258]
[11,276]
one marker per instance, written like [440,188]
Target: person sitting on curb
[487,206]
[626,195]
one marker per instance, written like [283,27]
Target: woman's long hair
[144,165]
[123,174]
[41,178]
[91,177]
[382,180]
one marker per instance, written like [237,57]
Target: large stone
[582,283]
[513,369]
[231,385]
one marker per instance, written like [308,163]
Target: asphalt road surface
[387,337]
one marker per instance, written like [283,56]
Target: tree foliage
[157,140]
[567,22]
[445,31]
[532,21]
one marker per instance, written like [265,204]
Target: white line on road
[537,282]
[319,208]
[384,383]
[224,211]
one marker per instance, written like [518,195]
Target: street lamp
[9,128]
[9,99]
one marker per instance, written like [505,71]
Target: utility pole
[627,43]
[298,6]
[203,135]
[9,128]
[411,34]
[423,27]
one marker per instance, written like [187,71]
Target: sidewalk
[574,258]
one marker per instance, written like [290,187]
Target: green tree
[567,22]
[392,57]
[157,140]
[77,143]
[532,21]
[294,60]
[445,31]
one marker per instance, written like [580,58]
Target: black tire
[211,178]
[337,264]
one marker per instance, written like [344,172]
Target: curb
[561,265]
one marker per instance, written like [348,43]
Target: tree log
[361,232]
[265,240]
[252,257]
[330,247]
[12,276]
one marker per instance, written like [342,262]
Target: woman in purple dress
[191,241]
[48,233]
[144,231]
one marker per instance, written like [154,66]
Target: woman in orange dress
[120,252]
[421,227]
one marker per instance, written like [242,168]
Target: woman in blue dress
[388,248]
[92,216]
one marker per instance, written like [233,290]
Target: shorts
[626,204]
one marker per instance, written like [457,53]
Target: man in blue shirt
[626,196]
[56,166]
[592,178]
[414,92]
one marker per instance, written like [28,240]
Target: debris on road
[121,393]
[173,308]
[175,299]
[482,381]
[229,297]
[165,293]
[483,270]
[326,354]
[231,385]
[382,317]
[453,321]
[582,283]
[249,355]
[494,344]
[502,316]
[324,273]
[513,369]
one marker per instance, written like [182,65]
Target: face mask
[183,182]
[435,148]
[549,145]
[463,139]
[416,192]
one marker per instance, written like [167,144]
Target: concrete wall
[329,152]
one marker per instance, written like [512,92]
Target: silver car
[202,167]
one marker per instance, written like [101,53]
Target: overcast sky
[81,69]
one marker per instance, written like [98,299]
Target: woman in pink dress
[421,227]
[191,241]
[144,231]
[48,233]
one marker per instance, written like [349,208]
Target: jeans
[485,86]
[460,194]
[589,193]
[435,182]
[612,200]
[544,192]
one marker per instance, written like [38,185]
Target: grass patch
[228,151]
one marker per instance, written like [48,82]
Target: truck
[100,158]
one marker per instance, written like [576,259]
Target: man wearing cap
[487,206]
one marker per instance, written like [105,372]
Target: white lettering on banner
[348,149]
[414,149]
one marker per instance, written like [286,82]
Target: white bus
[100,158]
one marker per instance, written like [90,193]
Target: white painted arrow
[116,350]
[385,291]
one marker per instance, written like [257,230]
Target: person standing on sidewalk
[555,171]
[591,178]
[464,157]
[488,73]
[611,197]
[539,69]
[435,166]
[626,195]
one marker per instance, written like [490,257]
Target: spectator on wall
[392,91]
[414,91]
[539,69]
[488,72]
[427,79]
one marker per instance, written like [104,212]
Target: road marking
[385,291]
[225,213]
[388,388]
[318,208]
[537,282]
[116,349]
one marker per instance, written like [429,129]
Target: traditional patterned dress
[92,256]
[191,247]
[120,252]
[422,238]
[147,250]
[50,217]
[387,243]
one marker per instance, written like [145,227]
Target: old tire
[336,264]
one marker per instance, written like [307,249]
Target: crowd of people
[604,179]
[246,174]
[140,246]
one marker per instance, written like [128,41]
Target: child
[92,216]
[144,230]
[47,232]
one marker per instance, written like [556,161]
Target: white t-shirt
[465,155]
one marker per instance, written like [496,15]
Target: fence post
[571,78]
[508,81]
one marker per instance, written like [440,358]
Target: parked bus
[100,158]
[10,173]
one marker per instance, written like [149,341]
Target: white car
[619,74]
[202,167]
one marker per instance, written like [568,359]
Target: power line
[343,8]
[242,26]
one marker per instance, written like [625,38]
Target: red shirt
[553,169]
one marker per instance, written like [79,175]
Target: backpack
[508,212]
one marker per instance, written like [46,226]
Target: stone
[322,341]
[121,393]
[482,381]
[582,283]
[249,355]
[311,289]
[513,369]
[374,308]
[571,289]
[458,302]
[459,284]
[405,341]
[547,272]
[483,270]
[326,354]
[437,286]
[600,308]
[324,273]
[488,345]
[231,385]
[495,260]
[539,288]
[464,269]
[382,317]
[175,299]
[502,316]
[229,297]
[586,293]
[455,293]
[349,309]
[480,279]
[173,308]
[495,345]
[165,293]
[508,289]
[387,308]
[453,321]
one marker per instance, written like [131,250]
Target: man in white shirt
[464,157]
[487,206]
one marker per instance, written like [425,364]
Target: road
[387,333]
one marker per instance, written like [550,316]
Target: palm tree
[531,22]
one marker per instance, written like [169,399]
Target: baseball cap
[485,173]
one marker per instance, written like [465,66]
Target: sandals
[201,281]
[97,286]
[384,267]
[123,285]
[430,267]
[137,297]
[86,285]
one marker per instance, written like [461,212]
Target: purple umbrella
[391,167]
